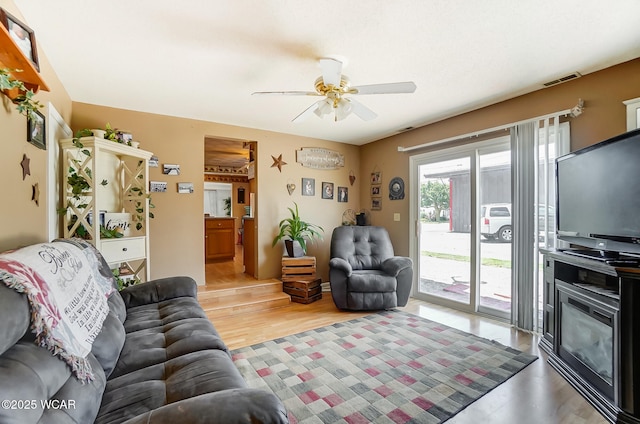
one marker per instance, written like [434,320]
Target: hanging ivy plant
[25,102]
[79,186]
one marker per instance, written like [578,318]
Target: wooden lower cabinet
[219,238]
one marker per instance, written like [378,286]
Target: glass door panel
[444,242]
[494,184]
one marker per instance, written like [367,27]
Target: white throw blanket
[67,295]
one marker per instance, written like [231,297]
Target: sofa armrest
[394,265]
[233,406]
[342,265]
[158,290]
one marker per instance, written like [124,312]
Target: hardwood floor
[536,395]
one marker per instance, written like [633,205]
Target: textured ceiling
[202,59]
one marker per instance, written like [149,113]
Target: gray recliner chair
[363,271]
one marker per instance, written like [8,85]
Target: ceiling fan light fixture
[324,108]
[343,109]
[334,85]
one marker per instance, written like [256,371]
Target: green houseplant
[295,229]
[25,103]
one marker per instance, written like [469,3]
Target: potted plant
[295,229]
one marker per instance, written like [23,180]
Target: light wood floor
[536,395]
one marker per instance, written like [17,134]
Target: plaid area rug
[389,367]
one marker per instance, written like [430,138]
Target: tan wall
[177,239]
[22,222]
[604,116]
[274,199]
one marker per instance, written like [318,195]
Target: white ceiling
[202,59]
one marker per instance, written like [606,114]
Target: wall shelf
[12,57]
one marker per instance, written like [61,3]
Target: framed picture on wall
[327,190]
[343,194]
[35,131]
[376,204]
[22,35]
[308,187]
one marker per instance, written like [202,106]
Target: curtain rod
[481,132]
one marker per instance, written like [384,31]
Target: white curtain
[534,147]
[523,164]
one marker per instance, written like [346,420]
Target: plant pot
[293,249]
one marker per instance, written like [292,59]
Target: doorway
[463,242]
[227,197]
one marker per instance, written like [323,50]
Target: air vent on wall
[563,79]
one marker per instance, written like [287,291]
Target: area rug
[389,367]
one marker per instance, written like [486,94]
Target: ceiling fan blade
[286,93]
[331,71]
[389,88]
[362,111]
[307,112]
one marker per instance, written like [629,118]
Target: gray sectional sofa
[157,359]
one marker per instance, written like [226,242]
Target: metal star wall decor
[278,162]
[35,194]
[25,166]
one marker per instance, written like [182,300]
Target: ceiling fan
[336,90]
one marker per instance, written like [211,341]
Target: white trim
[485,131]
[633,113]
[57,129]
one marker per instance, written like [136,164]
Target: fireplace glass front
[586,335]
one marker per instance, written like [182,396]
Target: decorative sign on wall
[121,221]
[319,158]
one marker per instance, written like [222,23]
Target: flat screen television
[598,196]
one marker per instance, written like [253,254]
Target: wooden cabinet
[117,181]
[219,236]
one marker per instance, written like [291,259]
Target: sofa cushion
[363,247]
[180,378]
[15,317]
[117,306]
[371,281]
[108,345]
[29,372]
[161,331]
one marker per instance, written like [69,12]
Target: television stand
[610,258]
[602,297]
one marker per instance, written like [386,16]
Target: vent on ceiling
[562,79]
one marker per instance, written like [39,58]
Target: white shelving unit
[126,172]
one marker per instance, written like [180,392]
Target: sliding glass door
[496,229]
[462,194]
[478,235]
[445,267]
[463,241]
